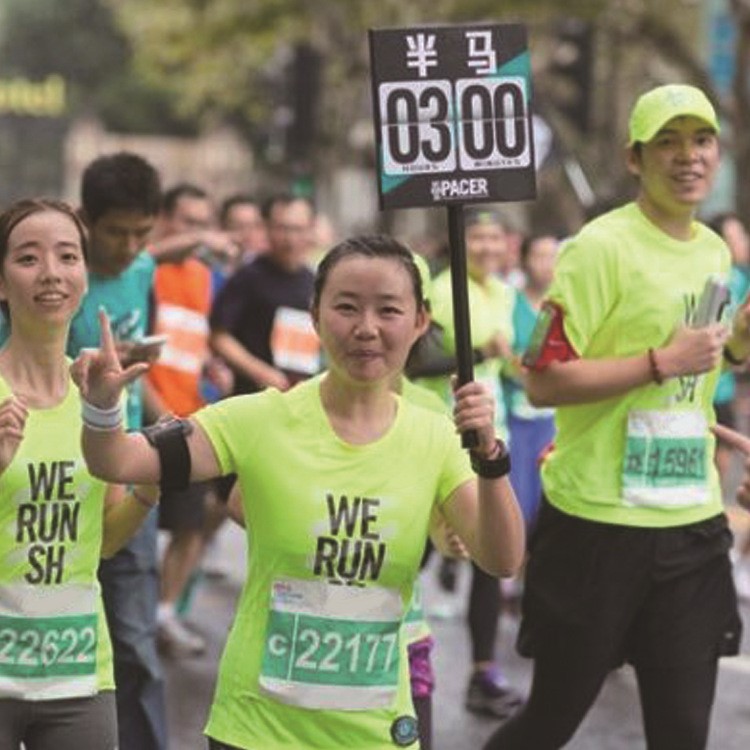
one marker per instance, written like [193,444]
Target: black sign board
[452,114]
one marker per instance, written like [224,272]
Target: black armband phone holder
[169,439]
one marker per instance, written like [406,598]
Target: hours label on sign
[438,126]
[418,130]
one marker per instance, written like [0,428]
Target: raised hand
[13,415]
[98,373]
[740,443]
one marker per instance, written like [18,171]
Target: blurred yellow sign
[20,96]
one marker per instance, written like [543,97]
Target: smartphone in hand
[712,303]
[146,349]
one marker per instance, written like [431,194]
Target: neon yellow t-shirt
[643,458]
[490,313]
[335,534]
[53,633]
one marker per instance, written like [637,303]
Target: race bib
[294,343]
[332,647]
[186,348]
[665,463]
[48,641]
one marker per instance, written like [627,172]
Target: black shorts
[653,597]
[185,509]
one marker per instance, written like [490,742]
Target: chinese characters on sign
[452,110]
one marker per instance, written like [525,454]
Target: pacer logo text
[464,188]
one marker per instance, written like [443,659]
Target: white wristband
[101,420]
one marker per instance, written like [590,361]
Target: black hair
[181,190]
[283,199]
[239,199]
[528,242]
[123,181]
[22,209]
[369,246]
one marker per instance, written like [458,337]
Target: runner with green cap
[629,561]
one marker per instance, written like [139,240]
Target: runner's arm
[484,511]
[691,351]
[740,443]
[124,512]
[485,515]
[245,363]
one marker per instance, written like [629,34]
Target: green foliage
[80,40]
[226,57]
[224,54]
[75,38]
[128,104]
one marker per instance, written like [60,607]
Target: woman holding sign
[56,683]
[339,476]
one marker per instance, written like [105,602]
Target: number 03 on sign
[452,114]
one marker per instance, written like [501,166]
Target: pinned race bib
[665,463]
[332,647]
[186,348]
[48,641]
[294,343]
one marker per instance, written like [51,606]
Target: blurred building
[33,122]
[218,160]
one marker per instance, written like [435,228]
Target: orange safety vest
[182,295]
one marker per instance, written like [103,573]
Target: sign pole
[452,108]
[461,320]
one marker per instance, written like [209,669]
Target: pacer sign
[452,114]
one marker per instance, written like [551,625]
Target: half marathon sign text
[452,114]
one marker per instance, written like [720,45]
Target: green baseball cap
[482,215]
[657,107]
